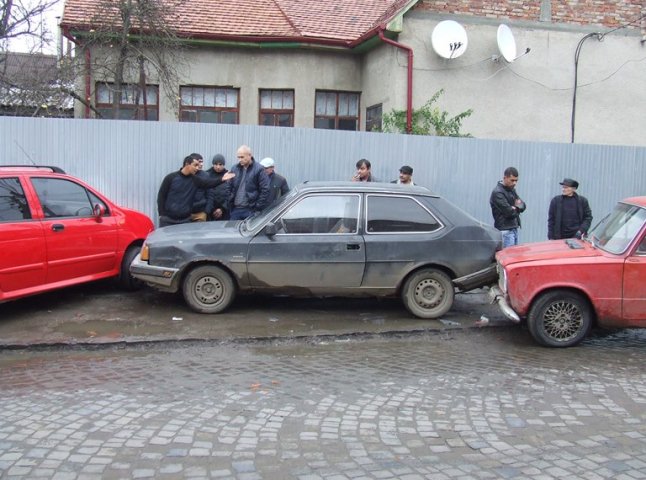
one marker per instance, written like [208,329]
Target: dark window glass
[209,105]
[336,110]
[134,103]
[333,214]
[62,198]
[373,118]
[276,108]
[13,203]
[398,214]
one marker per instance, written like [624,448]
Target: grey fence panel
[127,160]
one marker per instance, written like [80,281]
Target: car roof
[639,201]
[30,168]
[361,187]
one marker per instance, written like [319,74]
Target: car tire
[208,289]
[560,318]
[428,293]
[125,280]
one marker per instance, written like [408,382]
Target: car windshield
[259,218]
[618,229]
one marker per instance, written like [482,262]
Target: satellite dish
[506,43]
[449,39]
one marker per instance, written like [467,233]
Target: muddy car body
[325,239]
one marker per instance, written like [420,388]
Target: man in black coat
[506,207]
[277,183]
[569,215]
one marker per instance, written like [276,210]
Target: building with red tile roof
[342,64]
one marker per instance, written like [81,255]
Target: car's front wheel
[560,318]
[125,279]
[428,293]
[208,289]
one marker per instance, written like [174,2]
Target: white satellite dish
[449,39]
[506,43]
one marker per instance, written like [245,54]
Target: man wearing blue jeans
[506,207]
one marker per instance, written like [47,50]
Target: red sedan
[564,287]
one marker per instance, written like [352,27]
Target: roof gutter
[88,83]
[409,77]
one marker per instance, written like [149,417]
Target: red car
[564,287]
[56,231]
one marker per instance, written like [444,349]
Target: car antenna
[25,152]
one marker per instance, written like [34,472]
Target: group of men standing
[569,214]
[193,194]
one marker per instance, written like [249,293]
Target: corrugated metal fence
[126,160]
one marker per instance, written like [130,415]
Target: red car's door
[80,247]
[22,254]
[634,308]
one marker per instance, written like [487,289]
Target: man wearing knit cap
[569,214]
[217,197]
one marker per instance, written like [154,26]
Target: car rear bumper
[158,277]
[481,278]
[496,295]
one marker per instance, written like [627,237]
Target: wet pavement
[99,384]
[445,404]
[99,313]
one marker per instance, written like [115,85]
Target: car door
[317,246]
[22,241]
[400,234]
[80,246]
[634,298]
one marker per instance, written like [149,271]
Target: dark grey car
[325,239]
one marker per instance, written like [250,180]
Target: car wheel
[208,289]
[560,318]
[127,281]
[428,293]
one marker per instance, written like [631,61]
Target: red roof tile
[342,21]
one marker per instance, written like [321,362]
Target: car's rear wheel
[126,280]
[560,318]
[208,289]
[428,293]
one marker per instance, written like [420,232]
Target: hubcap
[562,321]
[208,290]
[428,293]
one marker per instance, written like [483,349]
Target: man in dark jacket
[176,195]
[216,205]
[249,191]
[569,215]
[277,183]
[506,207]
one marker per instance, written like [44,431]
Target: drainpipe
[88,86]
[409,86]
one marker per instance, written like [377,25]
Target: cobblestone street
[464,404]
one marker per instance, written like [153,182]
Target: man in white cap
[277,183]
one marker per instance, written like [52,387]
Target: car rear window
[391,214]
[13,203]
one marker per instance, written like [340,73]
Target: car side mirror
[98,211]
[271,229]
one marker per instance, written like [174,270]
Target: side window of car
[321,214]
[62,198]
[390,214]
[13,203]
[641,249]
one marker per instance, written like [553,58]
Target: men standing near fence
[249,191]
[506,207]
[405,176]
[277,183]
[216,204]
[176,195]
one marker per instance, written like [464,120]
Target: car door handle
[353,246]
[58,227]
